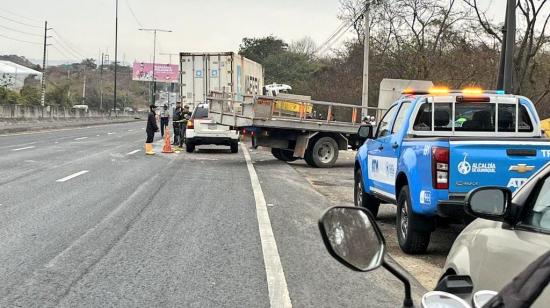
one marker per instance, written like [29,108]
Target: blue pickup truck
[430,149]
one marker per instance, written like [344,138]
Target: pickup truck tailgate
[209,127]
[507,163]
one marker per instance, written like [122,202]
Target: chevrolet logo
[521,168]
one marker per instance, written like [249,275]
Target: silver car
[511,232]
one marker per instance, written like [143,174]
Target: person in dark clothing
[177,123]
[151,129]
[186,115]
[164,119]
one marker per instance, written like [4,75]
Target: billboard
[163,72]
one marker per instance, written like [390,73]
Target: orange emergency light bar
[472,91]
[439,91]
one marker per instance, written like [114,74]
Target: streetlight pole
[116,56]
[154,30]
[366,42]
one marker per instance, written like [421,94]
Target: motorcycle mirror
[352,236]
[436,299]
[481,298]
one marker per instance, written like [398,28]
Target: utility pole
[169,55]
[84,89]
[43,85]
[510,42]
[154,58]
[366,41]
[101,83]
[116,55]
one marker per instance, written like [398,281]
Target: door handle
[395,146]
[380,148]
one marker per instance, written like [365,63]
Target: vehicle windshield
[200,113]
[472,117]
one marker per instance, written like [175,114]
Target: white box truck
[203,72]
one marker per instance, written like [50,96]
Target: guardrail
[21,112]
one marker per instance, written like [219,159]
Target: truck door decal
[382,169]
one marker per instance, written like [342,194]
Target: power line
[21,23]
[61,52]
[68,44]
[18,40]
[66,50]
[133,14]
[338,34]
[20,16]
[19,31]
[64,46]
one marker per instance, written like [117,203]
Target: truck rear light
[190,124]
[440,167]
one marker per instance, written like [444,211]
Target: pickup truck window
[539,215]
[384,125]
[401,117]
[472,117]
[200,113]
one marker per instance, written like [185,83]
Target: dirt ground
[337,185]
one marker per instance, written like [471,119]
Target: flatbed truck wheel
[411,240]
[323,153]
[363,199]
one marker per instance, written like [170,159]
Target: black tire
[190,147]
[363,199]
[308,157]
[283,155]
[324,152]
[234,147]
[410,240]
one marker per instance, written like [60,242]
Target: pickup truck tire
[410,240]
[189,147]
[234,147]
[283,155]
[323,153]
[363,199]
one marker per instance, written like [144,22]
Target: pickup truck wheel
[190,147]
[363,199]
[324,152]
[410,240]
[234,147]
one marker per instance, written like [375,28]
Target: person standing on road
[177,123]
[151,129]
[185,116]
[164,119]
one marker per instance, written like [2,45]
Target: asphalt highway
[87,220]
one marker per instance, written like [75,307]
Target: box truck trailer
[204,72]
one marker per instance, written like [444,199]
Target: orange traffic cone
[167,148]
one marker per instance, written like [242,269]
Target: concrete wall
[19,112]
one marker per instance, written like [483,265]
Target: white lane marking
[97,135]
[130,130]
[110,133]
[81,138]
[133,152]
[25,148]
[276,281]
[72,176]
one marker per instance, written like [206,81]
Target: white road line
[110,133]
[130,130]
[81,138]
[133,152]
[74,175]
[25,148]
[97,135]
[276,281]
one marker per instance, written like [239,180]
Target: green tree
[294,69]
[57,96]
[30,96]
[258,49]
[8,97]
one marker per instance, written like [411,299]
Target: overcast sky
[87,26]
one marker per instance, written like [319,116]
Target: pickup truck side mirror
[365,132]
[489,202]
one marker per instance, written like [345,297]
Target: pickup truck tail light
[190,124]
[440,167]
